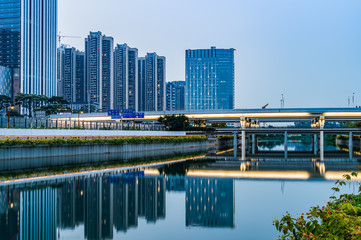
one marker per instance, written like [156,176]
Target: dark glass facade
[209,79]
[80,95]
[175,95]
[142,84]
[10,27]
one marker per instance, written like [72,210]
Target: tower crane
[62,36]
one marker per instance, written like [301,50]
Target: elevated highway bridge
[250,120]
[234,115]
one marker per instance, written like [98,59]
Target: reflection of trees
[180,169]
[270,144]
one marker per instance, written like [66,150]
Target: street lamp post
[79,112]
[12,108]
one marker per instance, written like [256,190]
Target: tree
[219,125]
[338,219]
[199,123]
[25,100]
[175,122]
[53,109]
[57,100]
[84,109]
[5,102]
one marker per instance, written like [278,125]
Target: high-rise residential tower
[71,74]
[152,83]
[80,85]
[99,70]
[141,83]
[28,31]
[175,95]
[209,79]
[125,77]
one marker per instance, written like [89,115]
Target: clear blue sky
[309,50]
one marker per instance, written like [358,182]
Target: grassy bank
[99,141]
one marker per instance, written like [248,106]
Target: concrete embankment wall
[25,157]
[65,132]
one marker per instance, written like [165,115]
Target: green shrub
[109,140]
[339,219]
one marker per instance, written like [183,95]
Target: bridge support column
[286,144]
[253,143]
[321,146]
[350,145]
[235,145]
[243,145]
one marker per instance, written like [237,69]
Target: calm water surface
[187,200]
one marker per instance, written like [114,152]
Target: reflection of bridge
[300,169]
[249,135]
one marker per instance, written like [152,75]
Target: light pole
[12,108]
[79,112]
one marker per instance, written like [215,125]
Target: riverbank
[31,154]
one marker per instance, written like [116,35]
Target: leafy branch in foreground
[339,219]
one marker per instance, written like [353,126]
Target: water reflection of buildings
[104,203]
[38,218]
[209,202]
[9,214]
[28,214]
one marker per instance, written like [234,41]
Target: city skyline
[294,46]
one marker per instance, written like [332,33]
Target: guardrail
[68,124]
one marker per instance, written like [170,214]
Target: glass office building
[6,75]
[28,31]
[209,79]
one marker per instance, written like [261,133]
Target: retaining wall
[24,157]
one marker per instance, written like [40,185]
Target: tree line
[33,103]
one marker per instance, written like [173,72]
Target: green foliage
[175,122]
[200,129]
[339,219]
[84,109]
[40,102]
[199,123]
[225,137]
[219,125]
[109,140]
[53,109]
[5,102]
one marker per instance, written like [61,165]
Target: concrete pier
[243,145]
[322,147]
[350,145]
[286,144]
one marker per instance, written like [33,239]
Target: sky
[308,50]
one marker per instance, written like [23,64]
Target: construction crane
[61,37]
[264,107]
